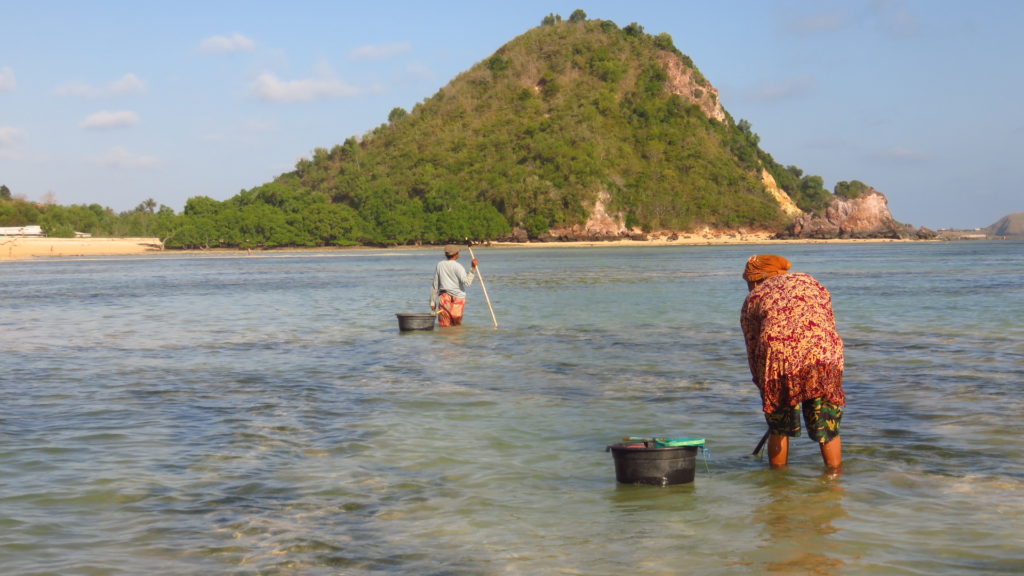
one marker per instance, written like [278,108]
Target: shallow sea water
[183,414]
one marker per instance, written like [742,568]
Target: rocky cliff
[866,216]
[685,81]
[786,203]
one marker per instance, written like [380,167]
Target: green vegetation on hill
[528,139]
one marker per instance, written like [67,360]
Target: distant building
[34,231]
[21,231]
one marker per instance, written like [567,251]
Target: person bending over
[795,356]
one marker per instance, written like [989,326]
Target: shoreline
[693,239]
[28,248]
[32,247]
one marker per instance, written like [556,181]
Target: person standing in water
[448,293]
[795,356]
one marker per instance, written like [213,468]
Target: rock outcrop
[866,216]
[681,81]
[785,202]
[599,226]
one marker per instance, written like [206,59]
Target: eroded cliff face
[681,82]
[603,225]
[785,202]
[600,225]
[867,216]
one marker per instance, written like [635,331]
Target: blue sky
[115,102]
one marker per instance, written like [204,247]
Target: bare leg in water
[832,454]
[778,452]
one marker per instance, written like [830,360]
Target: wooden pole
[757,449]
[484,286]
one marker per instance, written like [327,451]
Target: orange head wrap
[765,266]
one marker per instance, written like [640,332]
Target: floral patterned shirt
[793,348]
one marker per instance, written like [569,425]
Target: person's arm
[467,277]
[751,327]
[433,292]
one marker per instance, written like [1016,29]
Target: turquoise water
[263,415]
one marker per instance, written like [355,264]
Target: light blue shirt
[450,277]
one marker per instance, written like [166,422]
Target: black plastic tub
[408,322]
[635,463]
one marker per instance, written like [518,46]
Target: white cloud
[9,136]
[105,119]
[379,51]
[321,87]
[118,157]
[226,44]
[7,81]
[127,84]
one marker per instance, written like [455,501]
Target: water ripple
[265,416]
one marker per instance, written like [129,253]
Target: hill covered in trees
[531,138]
[572,118]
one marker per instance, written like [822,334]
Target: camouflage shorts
[821,417]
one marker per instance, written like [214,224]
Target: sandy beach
[23,247]
[689,239]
